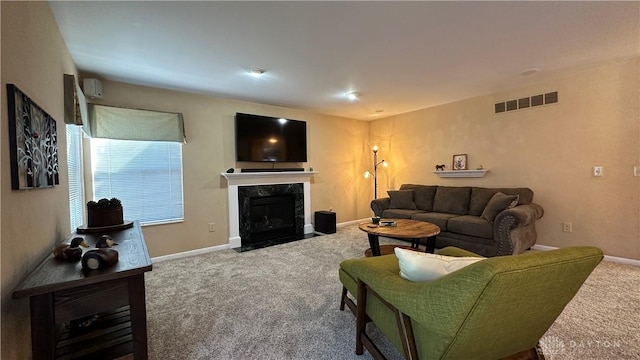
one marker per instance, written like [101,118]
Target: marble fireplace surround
[236,180]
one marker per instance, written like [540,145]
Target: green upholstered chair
[495,308]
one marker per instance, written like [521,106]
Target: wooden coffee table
[406,229]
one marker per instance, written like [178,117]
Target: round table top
[389,249]
[405,229]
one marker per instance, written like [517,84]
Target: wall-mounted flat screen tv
[264,138]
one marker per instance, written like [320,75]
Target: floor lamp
[367,174]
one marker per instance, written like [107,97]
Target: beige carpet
[282,302]
[602,321]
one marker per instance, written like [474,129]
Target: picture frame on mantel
[33,143]
[460,162]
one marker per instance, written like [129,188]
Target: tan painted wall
[335,149]
[550,149]
[34,57]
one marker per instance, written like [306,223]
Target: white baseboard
[353,222]
[185,254]
[543,247]
[615,259]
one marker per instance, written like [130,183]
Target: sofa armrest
[455,251]
[514,229]
[524,214]
[379,205]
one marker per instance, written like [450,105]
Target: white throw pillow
[419,266]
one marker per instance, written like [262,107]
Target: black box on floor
[325,222]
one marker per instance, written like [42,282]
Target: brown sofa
[486,221]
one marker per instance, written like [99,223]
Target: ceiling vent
[527,102]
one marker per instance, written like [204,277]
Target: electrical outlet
[567,227]
[212,227]
[597,170]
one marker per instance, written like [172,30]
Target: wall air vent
[523,103]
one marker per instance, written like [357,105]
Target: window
[145,175]
[74,163]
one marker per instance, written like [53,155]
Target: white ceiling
[400,56]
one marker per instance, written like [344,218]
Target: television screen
[264,138]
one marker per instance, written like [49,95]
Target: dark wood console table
[61,292]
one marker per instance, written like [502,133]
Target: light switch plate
[636,170]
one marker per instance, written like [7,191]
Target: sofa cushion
[439,219]
[400,213]
[470,225]
[452,200]
[423,195]
[418,266]
[525,195]
[479,199]
[497,204]
[401,199]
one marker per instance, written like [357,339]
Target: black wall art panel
[33,143]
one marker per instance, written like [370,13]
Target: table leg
[374,243]
[431,244]
[43,327]
[361,317]
[138,312]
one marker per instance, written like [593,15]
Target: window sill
[161,222]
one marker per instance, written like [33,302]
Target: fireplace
[239,182]
[271,217]
[271,212]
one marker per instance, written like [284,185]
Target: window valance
[111,122]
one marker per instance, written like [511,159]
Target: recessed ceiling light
[530,71]
[353,96]
[256,72]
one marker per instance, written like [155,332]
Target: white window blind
[145,175]
[74,163]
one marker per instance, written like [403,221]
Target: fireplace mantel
[265,178]
[261,178]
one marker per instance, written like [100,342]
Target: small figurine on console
[106,241]
[440,167]
[70,252]
[103,256]
[99,259]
